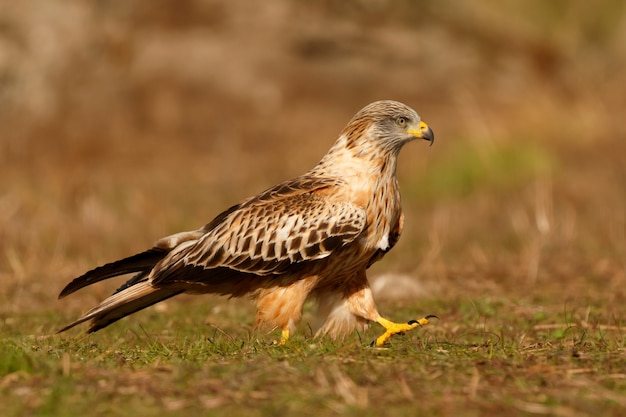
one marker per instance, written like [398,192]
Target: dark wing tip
[137,263]
[69,288]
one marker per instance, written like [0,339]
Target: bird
[311,237]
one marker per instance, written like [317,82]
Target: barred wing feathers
[279,229]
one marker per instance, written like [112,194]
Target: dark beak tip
[429,135]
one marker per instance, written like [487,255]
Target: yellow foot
[398,328]
[284,336]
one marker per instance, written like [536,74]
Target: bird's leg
[392,328]
[284,338]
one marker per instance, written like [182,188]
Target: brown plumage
[312,236]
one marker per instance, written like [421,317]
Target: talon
[399,328]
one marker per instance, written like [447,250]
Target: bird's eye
[401,121]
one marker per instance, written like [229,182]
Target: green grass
[484,357]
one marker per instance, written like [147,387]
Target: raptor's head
[390,123]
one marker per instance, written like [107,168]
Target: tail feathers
[142,262]
[135,279]
[122,304]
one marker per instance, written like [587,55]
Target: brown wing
[280,229]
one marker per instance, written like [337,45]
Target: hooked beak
[423,132]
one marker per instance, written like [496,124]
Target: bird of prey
[313,236]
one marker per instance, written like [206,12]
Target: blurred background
[121,122]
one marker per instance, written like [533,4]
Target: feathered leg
[282,306]
[355,309]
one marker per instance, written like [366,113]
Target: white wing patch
[283,233]
[383,243]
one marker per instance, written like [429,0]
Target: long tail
[124,302]
[142,262]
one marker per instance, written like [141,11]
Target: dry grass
[123,123]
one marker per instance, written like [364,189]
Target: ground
[125,123]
